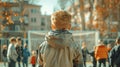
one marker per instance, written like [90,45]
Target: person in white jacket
[11,53]
[59,48]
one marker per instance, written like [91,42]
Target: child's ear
[69,26]
[53,27]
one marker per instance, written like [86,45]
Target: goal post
[35,38]
[89,37]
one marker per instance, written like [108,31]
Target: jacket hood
[58,38]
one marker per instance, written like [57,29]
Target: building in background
[45,23]
[22,20]
[17,18]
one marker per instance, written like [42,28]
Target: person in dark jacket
[109,49]
[92,53]
[4,53]
[84,53]
[26,54]
[19,49]
[115,54]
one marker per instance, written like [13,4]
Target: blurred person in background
[101,53]
[26,55]
[92,54]
[114,55]
[33,58]
[4,53]
[109,49]
[84,53]
[19,49]
[11,53]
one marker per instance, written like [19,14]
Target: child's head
[12,40]
[19,40]
[33,52]
[25,45]
[84,44]
[60,20]
[109,45]
[100,42]
[4,46]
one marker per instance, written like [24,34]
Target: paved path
[2,65]
[88,65]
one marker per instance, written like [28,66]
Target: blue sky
[47,6]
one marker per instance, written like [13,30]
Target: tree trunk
[91,2]
[118,16]
[82,14]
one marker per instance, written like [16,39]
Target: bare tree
[119,16]
[91,2]
[81,6]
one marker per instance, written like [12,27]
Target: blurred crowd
[18,52]
[103,53]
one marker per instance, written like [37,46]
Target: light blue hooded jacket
[59,50]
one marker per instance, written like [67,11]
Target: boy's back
[59,50]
